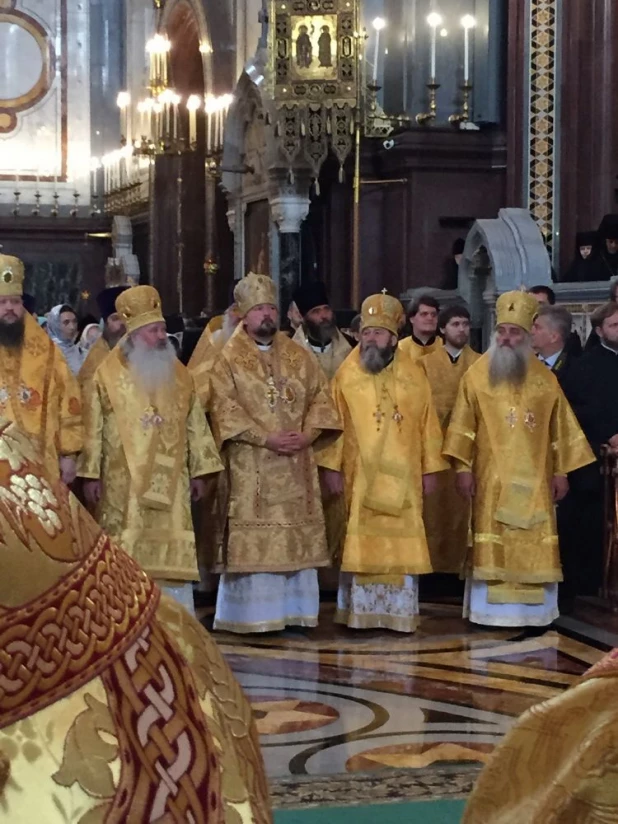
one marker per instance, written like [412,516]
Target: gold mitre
[383,311]
[11,276]
[519,308]
[139,306]
[254,290]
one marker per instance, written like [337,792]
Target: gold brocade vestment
[95,357]
[39,392]
[334,506]
[145,450]
[514,440]
[413,350]
[275,521]
[391,438]
[557,765]
[447,534]
[131,715]
[202,362]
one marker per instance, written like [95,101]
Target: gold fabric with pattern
[95,357]
[275,521]
[145,449]
[514,440]
[447,536]
[558,764]
[383,460]
[39,392]
[414,351]
[146,724]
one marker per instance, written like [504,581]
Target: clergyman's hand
[198,489]
[430,483]
[559,487]
[465,485]
[332,480]
[299,441]
[68,469]
[93,490]
[283,443]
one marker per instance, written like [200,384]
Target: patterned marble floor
[333,701]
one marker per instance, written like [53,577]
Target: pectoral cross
[385,291]
[511,418]
[379,416]
[272,394]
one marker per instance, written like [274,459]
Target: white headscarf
[69,349]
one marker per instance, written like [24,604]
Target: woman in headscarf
[62,329]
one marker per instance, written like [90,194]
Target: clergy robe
[145,449]
[39,392]
[95,357]
[330,359]
[414,349]
[391,438]
[131,714]
[446,513]
[275,534]
[558,763]
[514,440]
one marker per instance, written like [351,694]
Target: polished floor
[331,702]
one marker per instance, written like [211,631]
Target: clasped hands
[287,443]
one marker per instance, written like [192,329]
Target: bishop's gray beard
[508,365]
[375,358]
[12,334]
[151,369]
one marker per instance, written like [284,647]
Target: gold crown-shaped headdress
[11,276]
[382,311]
[519,308]
[254,290]
[139,306]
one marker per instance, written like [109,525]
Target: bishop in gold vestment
[446,513]
[558,764]
[131,714]
[37,389]
[113,331]
[270,404]
[387,457]
[147,446]
[512,439]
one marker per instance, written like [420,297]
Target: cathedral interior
[446,147]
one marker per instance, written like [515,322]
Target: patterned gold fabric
[447,536]
[202,362]
[514,440]
[254,290]
[391,437]
[520,308]
[11,276]
[95,357]
[558,763]
[39,393]
[382,311]
[331,359]
[130,714]
[275,520]
[139,306]
[145,450]
[413,350]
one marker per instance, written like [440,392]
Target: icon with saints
[314,47]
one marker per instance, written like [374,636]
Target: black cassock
[592,389]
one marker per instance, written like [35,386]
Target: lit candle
[193,104]
[379,23]
[434,20]
[468,22]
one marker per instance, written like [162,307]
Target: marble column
[289,209]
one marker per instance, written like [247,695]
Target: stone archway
[501,254]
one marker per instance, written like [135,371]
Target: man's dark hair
[600,315]
[423,300]
[560,319]
[544,290]
[447,315]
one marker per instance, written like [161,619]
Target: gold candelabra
[464,115]
[423,118]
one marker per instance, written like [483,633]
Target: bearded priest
[37,389]
[270,406]
[387,457]
[147,447]
[512,440]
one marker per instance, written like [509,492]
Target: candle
[434,20]
[378,24]
[468,22]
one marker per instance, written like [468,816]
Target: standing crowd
[271,457]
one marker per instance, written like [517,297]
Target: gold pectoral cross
[511,418]
[379,416]
[272,393]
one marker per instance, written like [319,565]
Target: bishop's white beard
[508,365]
[151,369]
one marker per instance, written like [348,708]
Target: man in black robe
[592,389]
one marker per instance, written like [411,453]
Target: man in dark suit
[550,336]
[592,389]
[547,297]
